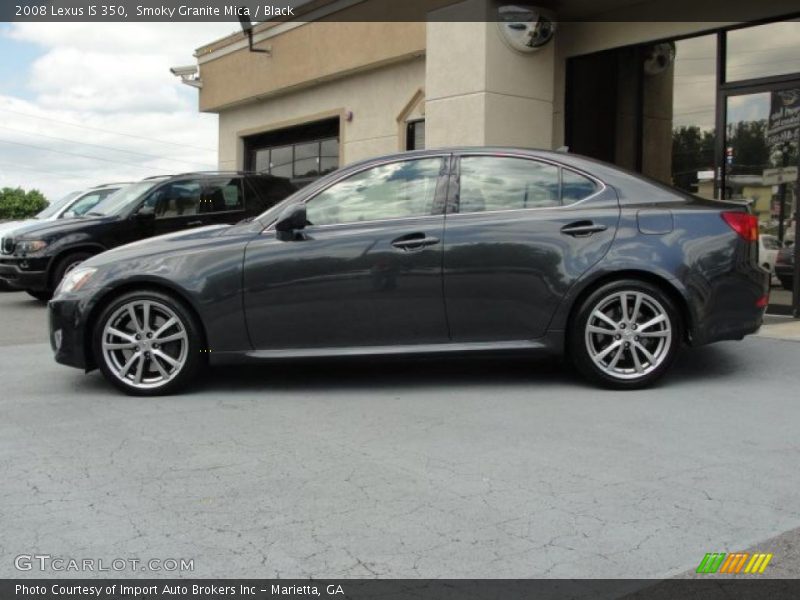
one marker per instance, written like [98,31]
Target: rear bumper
[24,274]
[734,307]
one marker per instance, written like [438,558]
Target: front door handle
[414,241]
[582,229]
[194,223]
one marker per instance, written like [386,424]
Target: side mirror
[69,214]
[292,219]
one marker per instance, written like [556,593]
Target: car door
[366,270]
[177,206]
[518,233]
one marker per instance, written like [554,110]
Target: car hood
[13,225]
[162,244]
[46,229]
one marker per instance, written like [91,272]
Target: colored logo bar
[734,563]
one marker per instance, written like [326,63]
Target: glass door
[760,166]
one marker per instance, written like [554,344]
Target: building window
[762,51]
[415,135]
[300,154]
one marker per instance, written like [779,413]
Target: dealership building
[692,104]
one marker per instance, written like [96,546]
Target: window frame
[452,205]
[439,198]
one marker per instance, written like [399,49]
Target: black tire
[786,284]
[40,295]
[670,330]
[64,265]
[194,356]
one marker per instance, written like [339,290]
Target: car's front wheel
[147,343]
[625,334]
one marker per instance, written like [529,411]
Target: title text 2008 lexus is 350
[456,250]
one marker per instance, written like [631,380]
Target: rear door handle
[414,241]
[194,223]
[582,229]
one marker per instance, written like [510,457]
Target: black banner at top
[388,10]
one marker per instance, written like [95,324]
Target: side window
[492,183]
[223,195]
[176,199]
[575,187]
[89,201]
[392,191]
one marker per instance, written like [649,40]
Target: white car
[74,204]
[768,246]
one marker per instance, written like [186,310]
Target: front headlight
[30,246]
[75,280]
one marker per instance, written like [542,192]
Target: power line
[108,160]
[49,172]
[141,137]
[187,162]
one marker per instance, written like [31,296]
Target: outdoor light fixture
[189,75]
[247,28]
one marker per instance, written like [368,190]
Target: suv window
[176,199]
[90,200]
[392,191]
[223,195]
[497,183]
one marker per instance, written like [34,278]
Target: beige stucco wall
[376,98]
[481,92]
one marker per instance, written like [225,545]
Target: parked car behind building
[36,259]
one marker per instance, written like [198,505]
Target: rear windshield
[770,243]
[120,200]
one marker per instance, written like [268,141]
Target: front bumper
[68,329]
[24,273]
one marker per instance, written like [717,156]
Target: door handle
[194,223]
[414,241]
[582,229]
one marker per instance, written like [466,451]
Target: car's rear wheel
[147,344]
[625,335]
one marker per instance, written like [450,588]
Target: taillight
[745,224]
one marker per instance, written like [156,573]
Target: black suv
[37,258]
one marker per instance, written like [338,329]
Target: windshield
[120,200]
[56,206]
[770,243]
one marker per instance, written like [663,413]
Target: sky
[83,104]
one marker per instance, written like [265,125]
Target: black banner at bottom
[712,588]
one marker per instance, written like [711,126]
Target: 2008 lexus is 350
[437,251]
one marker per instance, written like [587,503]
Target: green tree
[692,151]
[16,203]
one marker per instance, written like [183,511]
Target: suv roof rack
[218,173]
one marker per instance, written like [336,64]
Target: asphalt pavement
[428,468]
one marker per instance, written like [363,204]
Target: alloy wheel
[628,334]
[144,344]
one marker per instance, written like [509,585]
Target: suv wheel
[626,335]
[65,265]
[147,344]
[41,295]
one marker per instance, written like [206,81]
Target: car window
[123,199]
[391,191]
[54,207]
[575,187]
[176,199]
[86,203]
[492,183]
[223,195]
